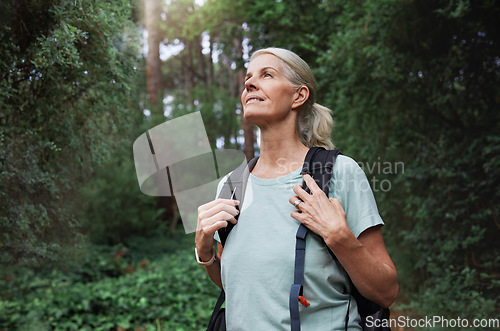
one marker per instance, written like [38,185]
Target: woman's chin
[264,118]
[253,116]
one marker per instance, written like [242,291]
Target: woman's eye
[267,75]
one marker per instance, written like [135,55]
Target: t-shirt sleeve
[219,188]
[350,185]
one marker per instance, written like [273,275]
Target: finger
[298,216]
[210,230]
[222,206]
[293,201]
[311,183]
[302,207]
[301,193]
[208,205]
[220,216]
[216,226]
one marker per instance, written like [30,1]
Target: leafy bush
[112,208]
[169,293]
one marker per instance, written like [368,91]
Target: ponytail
[315,126]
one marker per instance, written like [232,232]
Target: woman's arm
[213,216]
[214,269]
[364,258]
[368,264]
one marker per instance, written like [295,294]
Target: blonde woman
[256,265]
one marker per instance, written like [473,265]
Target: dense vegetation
[131,286]
[69,96]
[414,86]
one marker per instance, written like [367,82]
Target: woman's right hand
[213,216]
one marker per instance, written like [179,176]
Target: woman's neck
[281,152]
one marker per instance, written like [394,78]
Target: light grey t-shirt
[258,257]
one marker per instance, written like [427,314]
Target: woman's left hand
[322,215]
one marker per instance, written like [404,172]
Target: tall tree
[152,19]
[246,126]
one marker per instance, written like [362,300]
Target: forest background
[414,88]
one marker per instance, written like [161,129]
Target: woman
[255,268]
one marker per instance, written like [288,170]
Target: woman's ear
[300,96]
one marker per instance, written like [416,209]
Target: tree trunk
[152,11]
[190,64]
[210,63]
[247,127]
[152,21]
[200,60]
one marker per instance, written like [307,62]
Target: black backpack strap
[234,188]
[298,277]
[319,164]
[217,310]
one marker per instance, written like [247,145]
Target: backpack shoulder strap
[234,188]
[319,164]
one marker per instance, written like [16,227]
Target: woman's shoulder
[346,165]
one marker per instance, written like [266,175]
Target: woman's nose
[250,84]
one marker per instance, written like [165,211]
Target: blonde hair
[315,122]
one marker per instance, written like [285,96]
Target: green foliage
[467,298]
[111,206]
[69,96]
[216,104]
[301,26]
[218,110]
[170,292]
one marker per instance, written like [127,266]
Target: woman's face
[268,95]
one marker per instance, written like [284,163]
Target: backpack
[319,164]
